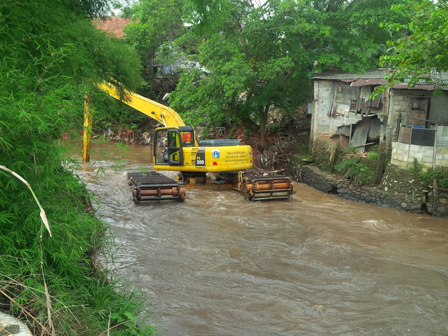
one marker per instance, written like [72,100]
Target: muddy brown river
[313,265]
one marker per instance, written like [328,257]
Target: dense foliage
[50,57]
[423,48]
[355,170]
[248,57]
[153,23]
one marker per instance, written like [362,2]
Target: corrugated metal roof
[376,81]
[438,80]
[344,76]
[364,82]
[443,75]
[428,87]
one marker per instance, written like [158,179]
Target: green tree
[152,24]
[256,57]
[423,48]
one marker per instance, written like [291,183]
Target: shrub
[354,170]
[415,168]
[373,155]
[43,80]
[441,176]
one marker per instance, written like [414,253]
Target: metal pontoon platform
[153,186]
[262,186]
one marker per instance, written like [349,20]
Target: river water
[313,265]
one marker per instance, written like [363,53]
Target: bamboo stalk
[44,219]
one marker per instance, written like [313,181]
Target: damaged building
[410,123]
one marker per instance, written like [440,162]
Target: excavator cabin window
[168,148]
[173,139]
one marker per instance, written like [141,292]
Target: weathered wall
[442,136]
[397,190]
[316,178]
[323,95]
[345,114]
[334,99]
[337,103]
[403,155]
[400,113]
[327,97]
[403,183]
[438,107]
[399,106]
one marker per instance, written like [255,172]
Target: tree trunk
[264,112]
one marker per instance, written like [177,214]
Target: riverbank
[398,189]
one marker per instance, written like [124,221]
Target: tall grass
[50,54]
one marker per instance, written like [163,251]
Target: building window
[353,105]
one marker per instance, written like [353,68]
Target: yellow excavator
[176,148]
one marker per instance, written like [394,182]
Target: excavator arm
[163,114]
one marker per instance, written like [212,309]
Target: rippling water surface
[314,265]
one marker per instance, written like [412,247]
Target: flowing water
[313,265]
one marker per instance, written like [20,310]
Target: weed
[354,170]
[442,178]
[415,168]
[437,174]
[350,150]
[429,176]
[373,155]
[48,280]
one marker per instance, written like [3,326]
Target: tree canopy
[253,58]
[423,48]
[152,24]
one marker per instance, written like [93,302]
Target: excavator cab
[169,143]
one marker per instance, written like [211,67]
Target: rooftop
[341,75]
[439,80]
[114,26]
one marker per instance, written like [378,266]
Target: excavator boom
[163,114]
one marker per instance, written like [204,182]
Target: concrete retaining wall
[397,190]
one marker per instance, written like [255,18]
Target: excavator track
[253,184]
[262,186]
[153,186]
